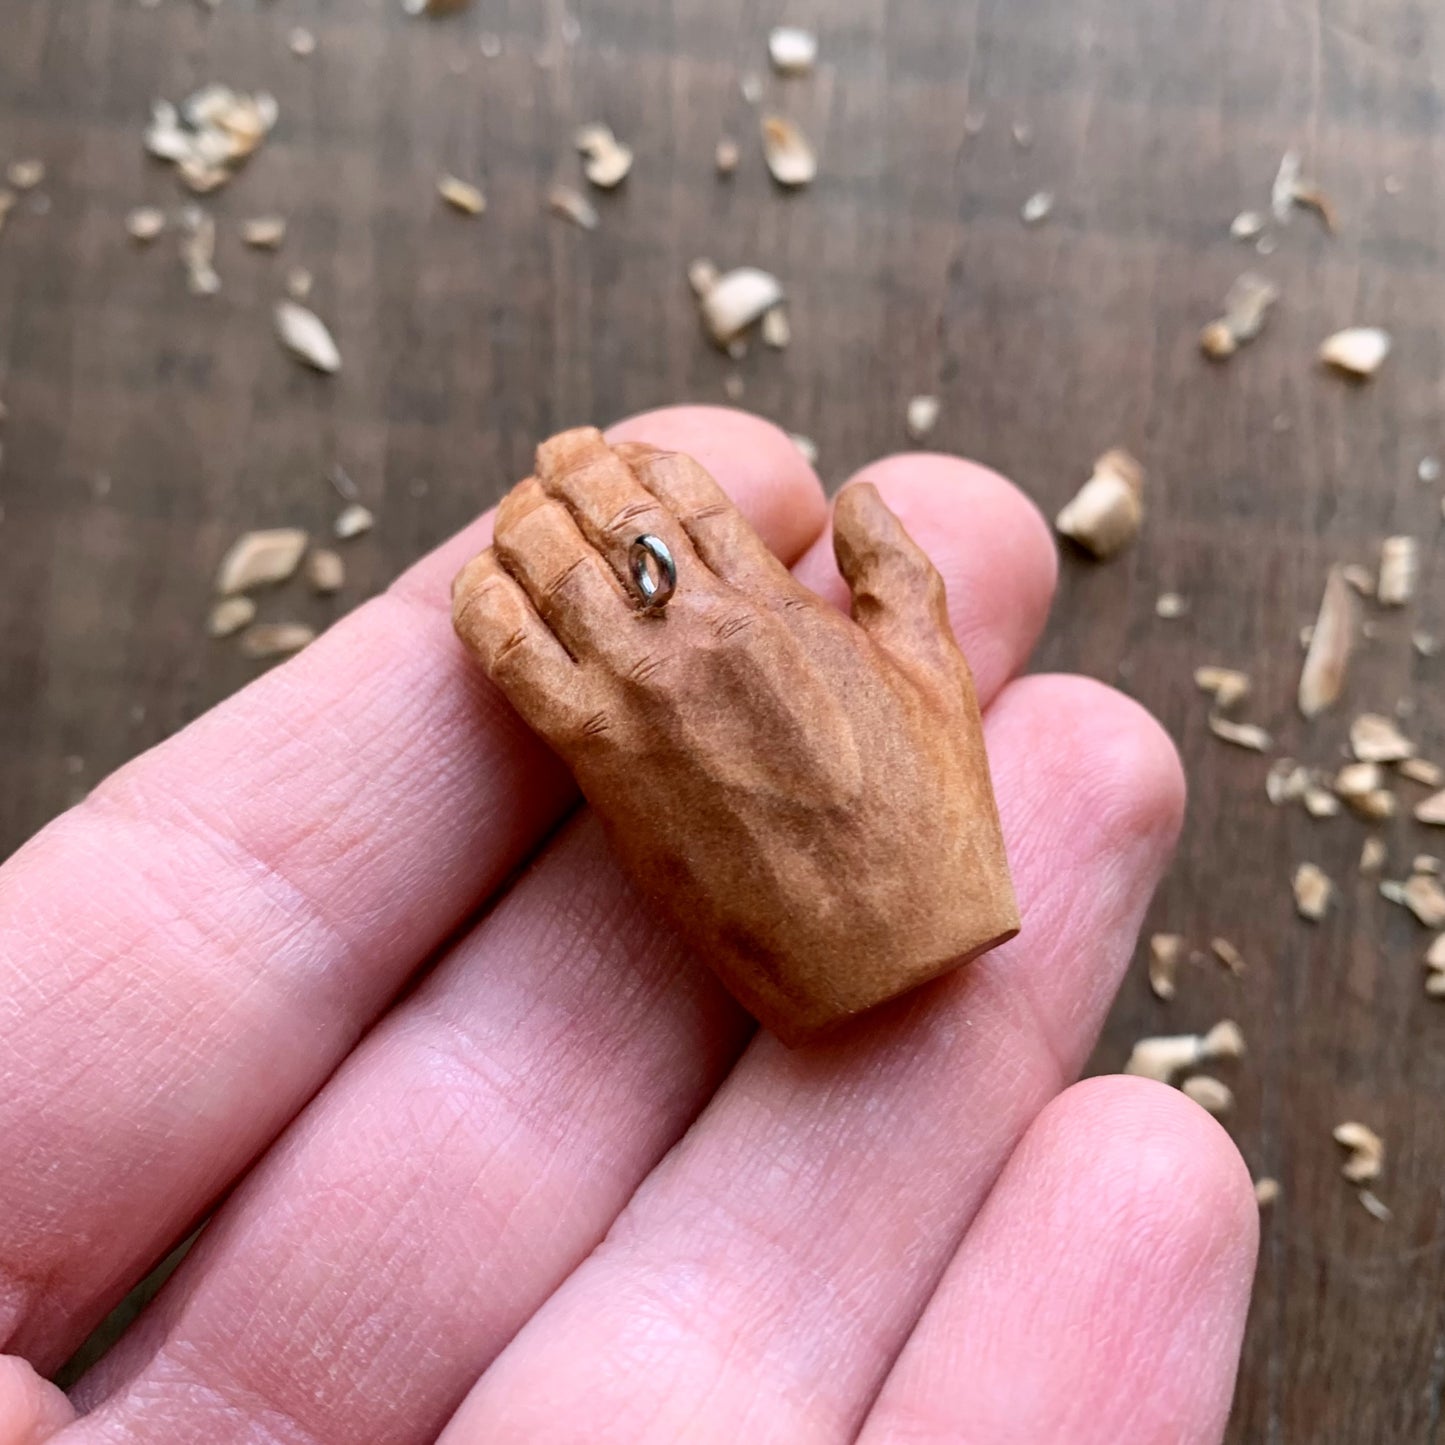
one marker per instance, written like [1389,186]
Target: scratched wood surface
[146,427]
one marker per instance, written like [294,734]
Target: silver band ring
[653,571]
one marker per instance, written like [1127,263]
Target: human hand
[806,798]
[559,1190]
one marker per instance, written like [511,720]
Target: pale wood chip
[702,276]
[726,156]
[1431,775]
[1366,1150]
[1312,892]
[1286,782]
[807,446]
[793,50]
[1426,644]
[275,639]
[1247,226]
[1358,780]
[1421,894]
[572,205]
[264,233]
[789,153]
[198,252]
[1166,950]
[1170,606]
[25,175]
[1038,208]
[462,196]
[737,301]
[325,571]
[1322,679]
[1286,180]
[607,162]
[1374,1206]
[1242,735]
[1435,985]
[922,416]
[1226,686]
[1432,810]
[1211,1094]
[1246,309]
[299,283]
[734,387]
[260,559]
[1359,351]
[1320,802]
[1107,512]
[1266,1192]
[1228,955]
[776,330]
[1372,856]
[354,521]
[1376,739]
[230,615]
[306,337]
[1425,863]
[301,42]
[1399,571]
[1429,471]
[1023,134]
[1165,1057]
[750,87]
[144,224]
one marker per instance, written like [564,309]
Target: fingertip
[755,462]
[32,1410]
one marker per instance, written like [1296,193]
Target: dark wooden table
[148,427]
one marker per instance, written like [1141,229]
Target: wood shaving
[1358,780]
[1212,1095]
[1023,134]
[1038,208]
[922,416]
[750,87]
[299,283]
[1286,782]
[572,205]
[1374,1206]
[1359,351]
[1170,606]
[264,233]
[1421,894]
[1426,644]
[702,276]
[1266,1192]
[776,330]
[1309,195]
[1281,201]
[265,640]
[198,253]
[792,50]
[1430,775]
[606,161]
[306,337]
[1106,514]
[726,156]
[1228,955]
[1246,308]
[1226,686]
[807,446]
[1376,739]
[25,175]
[301,42]
[1429,471]
[1376,807]
[1312,892]
[737,301]
[462,196]
[354,521]
[1242,735]
[1366,1151]
[1425,863]
[1247,226]
[325,571]
[1326,665]
[260,559]
[211,134]
[1399,570]
[1372,856]
[1320,802]
[1166,950]
[230,615]
[144,224]
[1432,811]
[1165,1057]
[791,159]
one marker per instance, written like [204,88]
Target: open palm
[559,1190]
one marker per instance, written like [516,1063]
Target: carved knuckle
[628,519]
[734,626]
[558,584]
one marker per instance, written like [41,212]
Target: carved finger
[720,533]
[497,621]
[898,596]
[612,508]
[571,587]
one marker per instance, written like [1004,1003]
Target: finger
[720,534]
[495,618]
[186,957]
[898,596]
[762,1281]
[611,507]
[571,587]
[470,1155]
[1143,1212]
[982,536]
[32,1410]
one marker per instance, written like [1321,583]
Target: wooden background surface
[147,427]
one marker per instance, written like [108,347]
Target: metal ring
[656,591]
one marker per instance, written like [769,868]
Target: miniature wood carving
[804,795]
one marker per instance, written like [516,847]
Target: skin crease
[237,1346]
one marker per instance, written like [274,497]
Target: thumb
[898,595]
[31,1409]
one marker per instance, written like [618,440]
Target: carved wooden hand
[805,796]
